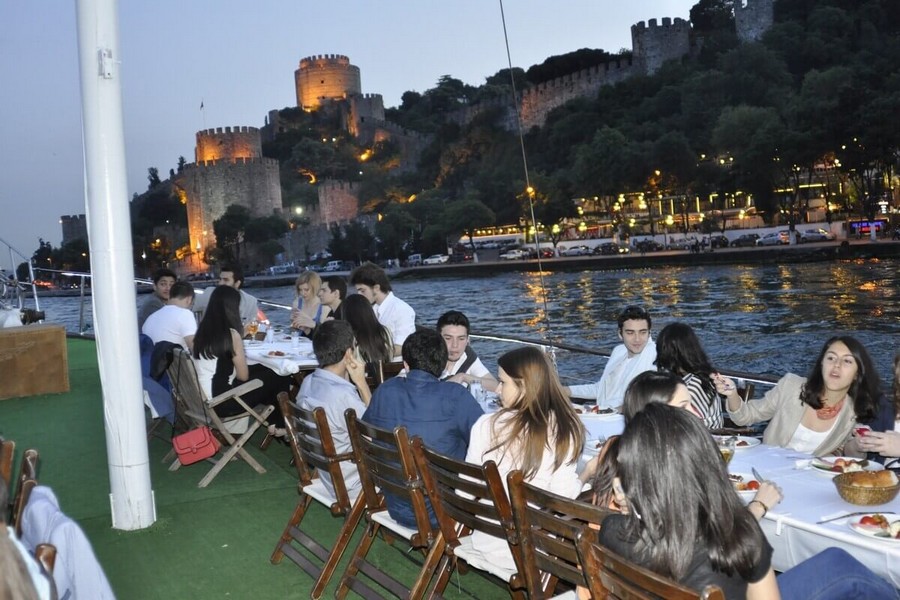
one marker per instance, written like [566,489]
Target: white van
[334,265]
[414,260]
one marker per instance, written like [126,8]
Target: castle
[74,227]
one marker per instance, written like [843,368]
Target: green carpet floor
[206,543]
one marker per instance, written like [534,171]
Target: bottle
[270,335]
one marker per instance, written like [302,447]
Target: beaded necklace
[826,413]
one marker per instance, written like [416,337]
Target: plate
[746,495]
[823,466]
[872,532]
[743,442]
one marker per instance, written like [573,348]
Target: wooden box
[33,360]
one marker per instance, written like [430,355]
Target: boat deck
[206,543]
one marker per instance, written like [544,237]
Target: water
[766,319]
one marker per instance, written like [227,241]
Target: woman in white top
[308,311]
[536,431]
[817,414]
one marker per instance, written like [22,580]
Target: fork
[853,514]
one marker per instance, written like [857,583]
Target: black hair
[425,350]
[336,284]
[678,349]
[674,478]
[634,313]
[373,338]
[235,271]
[181,289]
[160,273]
[649,386]
[223,313]
[453,317]
[371,275]
[331,340]
[865,388]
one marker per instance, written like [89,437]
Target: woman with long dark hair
[221,362]
[814,414]
[536,431]
[679,350]
[685,522]
[884,439]
[373,338]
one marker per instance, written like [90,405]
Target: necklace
[826,413]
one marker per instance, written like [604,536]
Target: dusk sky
[238,59]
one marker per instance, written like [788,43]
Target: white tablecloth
[810,496]
[295,357]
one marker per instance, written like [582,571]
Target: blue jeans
[833,575]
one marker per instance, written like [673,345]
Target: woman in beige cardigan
[814,415]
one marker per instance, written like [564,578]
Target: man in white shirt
[174,322]
[635,355]
[463,365]
[372,283]
[328,387]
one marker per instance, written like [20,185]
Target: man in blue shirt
[440,412]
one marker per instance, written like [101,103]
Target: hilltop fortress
[229,166]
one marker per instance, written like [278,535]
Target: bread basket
[864,496]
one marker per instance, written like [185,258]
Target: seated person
[679,351]
[307,310]
[373,284]
[814,415]
[634,356]
[332,294]
[883,441]
[233,277]
[463,365]
[163,279]
[174,322]
[338,384]
[439,412]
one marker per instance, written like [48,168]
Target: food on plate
[841,465]
[870,479]
[742,443]
[276,353]
[880,526]
[743,486]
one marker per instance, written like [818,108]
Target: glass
[252,329]
[295,339]
[589,408]
[726,448]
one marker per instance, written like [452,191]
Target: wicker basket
[864,496]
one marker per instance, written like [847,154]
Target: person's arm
[885,443]
[189,342]
[764,589]
[488,381]
[767,497]
[241,370]
[356,369]
[756,411]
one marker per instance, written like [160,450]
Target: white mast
[109,234]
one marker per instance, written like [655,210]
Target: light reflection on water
[767,319]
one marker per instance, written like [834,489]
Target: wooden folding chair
[612,576]
[468,498]
[26,481]
[46,555]
[386,464]
[7,455]
[197,410]
[312,446]
[547,525]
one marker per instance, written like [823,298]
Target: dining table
[282,355]
[794,527]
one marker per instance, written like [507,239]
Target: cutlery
[853,514]
[756,474]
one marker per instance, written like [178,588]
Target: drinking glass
[295,339]
[726,448]
[252,329]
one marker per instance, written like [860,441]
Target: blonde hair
[310,278]
[542,417]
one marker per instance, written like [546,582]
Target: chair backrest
[26,481]
[189,394]
[386,464]
[547,525]
[312,446]
[7,454]
[612,576]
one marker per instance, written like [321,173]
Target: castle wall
[365,109]
[752,18]
[654,44]
[227,143]
[329,76]
[212,186]
[338,202]
[74,227]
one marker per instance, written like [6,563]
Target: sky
[238,59]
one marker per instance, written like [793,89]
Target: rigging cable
[529,190]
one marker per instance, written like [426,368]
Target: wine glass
[726,448]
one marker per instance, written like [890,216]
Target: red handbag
[195,445]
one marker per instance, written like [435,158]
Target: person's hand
[590,469]
[357,370]
[769,494]
[302,321]
[724,385]
[885,443]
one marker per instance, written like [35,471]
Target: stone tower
[654,44]
[229,169]
[752,18]
[325,77]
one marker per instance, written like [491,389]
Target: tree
[466,215]
[263,229]
[395,231]
[229,230]
[153,177]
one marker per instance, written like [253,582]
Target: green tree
[153,177]
[466,215]
[230,230]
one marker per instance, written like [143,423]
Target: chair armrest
[241,389]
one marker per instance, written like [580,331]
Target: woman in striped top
[679,350]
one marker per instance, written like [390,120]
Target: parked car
[514,254]
[774,239]
[746,239]
[545,252]
[816,235]
[414,260]
[581,250]
[436,259]
[648,246]
[461,256]
[610,248]
[718,241]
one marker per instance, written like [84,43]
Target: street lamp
[669,222]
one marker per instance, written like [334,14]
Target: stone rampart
[325,77]
[74,227]
[752,18]
[653,44]
[228,143]
[338,202]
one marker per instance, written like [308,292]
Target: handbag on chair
[195,445]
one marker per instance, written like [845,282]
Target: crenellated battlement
[216,131]
[325,77]
[654,44]
[271,162]
[227,143]
[372,97]
[323,60]
[333,184]
[610,69]
[752,18]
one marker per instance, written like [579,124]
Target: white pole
[109,234]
